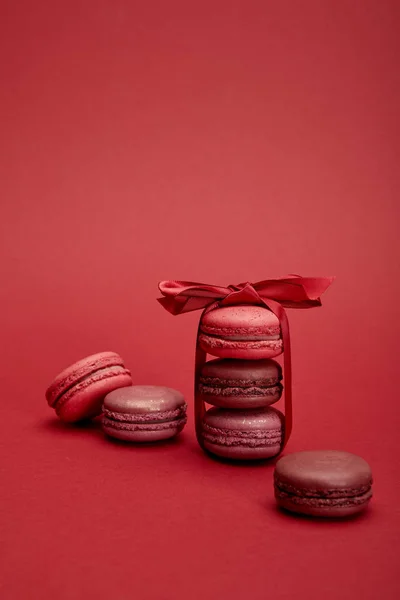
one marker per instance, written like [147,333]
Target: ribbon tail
[280,312]
[199,406]
[173,306]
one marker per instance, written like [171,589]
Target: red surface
[216,142]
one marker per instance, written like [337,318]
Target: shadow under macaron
[93,427]
[54,425]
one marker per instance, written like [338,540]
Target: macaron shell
[86,400]
[240,320]
[242,452]
[243,370]
[268,419]
[143,399]
[230,399]
[323,470]
[327,510]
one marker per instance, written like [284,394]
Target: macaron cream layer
[326,498]
[253,439]
[149,422]
[274,344]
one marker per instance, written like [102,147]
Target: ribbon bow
[290,291]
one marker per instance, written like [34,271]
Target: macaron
[238,383]
[323,483]
[243,434]
[242,331]
[77,392]
[144,413]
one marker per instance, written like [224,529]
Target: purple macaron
[144,413]
[323,483]
[243,434]
[236,383]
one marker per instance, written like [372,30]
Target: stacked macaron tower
[241,385]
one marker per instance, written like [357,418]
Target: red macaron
[241,331]
[77,393]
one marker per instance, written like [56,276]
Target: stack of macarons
[101,385]
[242,383]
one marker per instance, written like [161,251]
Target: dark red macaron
[323,483]
[242,331]
[236,383]
[77,393]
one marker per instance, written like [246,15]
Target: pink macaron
[144,413]
[243,434]
[77,393]
[323,483]
[236,383]
[242,331]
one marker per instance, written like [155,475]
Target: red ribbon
[291,291]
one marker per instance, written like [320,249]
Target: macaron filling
[273,343]
[323,498]
[249,337]
[253,439]
[146,421]
[86,380]
[239,387]
[242,333]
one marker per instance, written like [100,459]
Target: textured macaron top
[241,372]
[241,320]
[244,420]
[81,370]
[144,399]
[323,470]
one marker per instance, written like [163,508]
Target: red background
[217,142]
